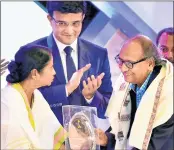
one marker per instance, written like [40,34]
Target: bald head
[142,54]
[145,46]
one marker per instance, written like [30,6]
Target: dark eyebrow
[77,21]
[68,22]
[60,21]
[163,46]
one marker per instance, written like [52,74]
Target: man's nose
[123,67]
[69,29]
[170,54]
[54,72]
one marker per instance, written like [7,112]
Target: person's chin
[172,61]
[127,79]
[49,84]
[68,40]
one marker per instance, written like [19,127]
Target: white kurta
[16,129]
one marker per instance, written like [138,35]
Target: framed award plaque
[80,122]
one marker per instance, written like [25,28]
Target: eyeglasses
[64,24]
[128,64]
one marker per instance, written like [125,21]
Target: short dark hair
[27,58]
[66,7]
[169,31]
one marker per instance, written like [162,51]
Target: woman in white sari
[27,121]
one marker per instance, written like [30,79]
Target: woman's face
[46,76]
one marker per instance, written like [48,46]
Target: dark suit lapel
[56,59]
[83,58]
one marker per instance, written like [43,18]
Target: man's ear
[83,16]
[34,74]
[151,63]
[49,18]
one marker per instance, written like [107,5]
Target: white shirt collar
[62,46]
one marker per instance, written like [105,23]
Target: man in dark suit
[71,53]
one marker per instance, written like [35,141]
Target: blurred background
[107,24]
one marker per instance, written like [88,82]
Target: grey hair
[149,49]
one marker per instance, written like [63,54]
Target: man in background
[165,43]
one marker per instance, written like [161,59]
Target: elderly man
[165,43]
[141,106]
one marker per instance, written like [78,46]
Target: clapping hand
[75,79]
[92,85]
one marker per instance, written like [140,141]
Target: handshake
[89,87]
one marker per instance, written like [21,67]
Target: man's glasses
[64,24]
[128,64]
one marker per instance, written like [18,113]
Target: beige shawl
[155,108]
